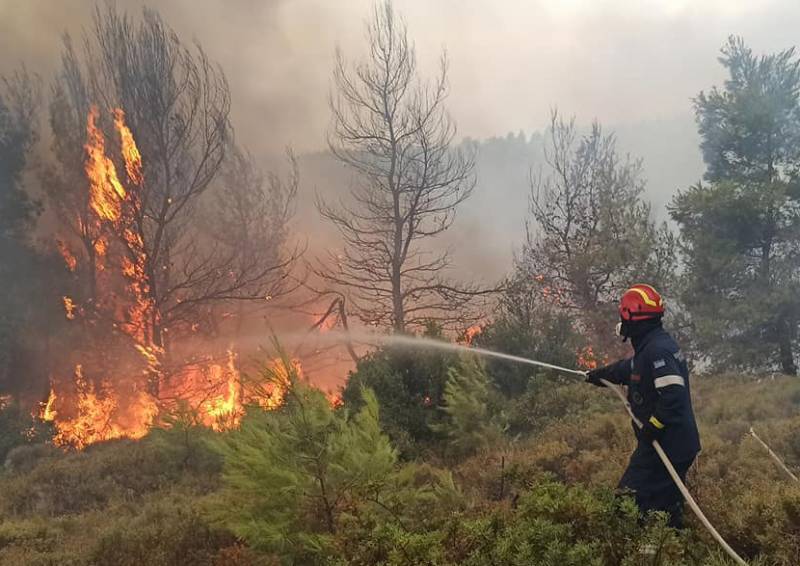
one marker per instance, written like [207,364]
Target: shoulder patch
[659,364]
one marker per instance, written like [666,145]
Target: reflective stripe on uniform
[656,423]
[669,380]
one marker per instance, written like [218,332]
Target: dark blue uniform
[657,379]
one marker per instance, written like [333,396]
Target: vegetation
[311,484]
[740,229]
[526,324]
[592,235]
[294,475]
[410,388]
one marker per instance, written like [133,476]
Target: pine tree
[741,230]
[470,425]
[291,474]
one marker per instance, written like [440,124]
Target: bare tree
[591,233]
[392,130]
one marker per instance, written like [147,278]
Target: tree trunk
[782,326]
[398,311]
[786,357]
[329,518]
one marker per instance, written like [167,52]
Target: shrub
[165,533]
[290,474]
[18,428]
[527,325]
[409,387]
[470,425]
[61,483]
[553,524]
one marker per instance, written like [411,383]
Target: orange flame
[587,359]
[100,247]
[551,292]
[471,332]
[225,409]
[69,308]
[105,190]
[134,265]
[270,394]
[130,153]
[48,412]
[69,259]
[92,415]
[92,419]
[335,399]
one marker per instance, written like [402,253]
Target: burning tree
[392,130]
[143,148]
[591,234]
[177,104]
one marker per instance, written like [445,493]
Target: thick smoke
[633,68]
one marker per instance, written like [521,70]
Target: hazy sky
[621,61]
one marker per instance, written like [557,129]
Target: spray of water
[430,343]
[416,342]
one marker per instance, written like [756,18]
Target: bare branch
[392,129]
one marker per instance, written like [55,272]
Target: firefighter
[657,380]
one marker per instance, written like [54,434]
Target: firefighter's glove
[652,430]
[594,376]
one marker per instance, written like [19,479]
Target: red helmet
[640,302]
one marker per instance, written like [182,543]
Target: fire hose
[618,391]
[774,456]
[668,465]
[676,478]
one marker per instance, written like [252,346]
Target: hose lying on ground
[775,457]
